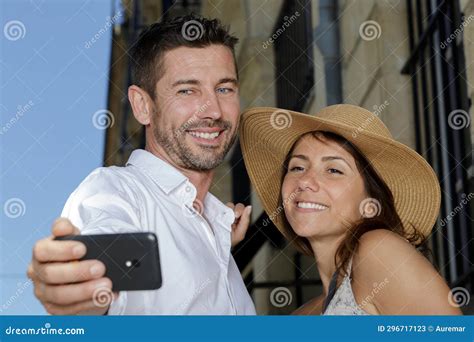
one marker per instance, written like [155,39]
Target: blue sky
[53,78]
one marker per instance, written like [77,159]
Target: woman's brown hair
[386,218]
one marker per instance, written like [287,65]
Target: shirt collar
[166,176]
[169,179]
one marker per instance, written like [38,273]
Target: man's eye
[225,90]
[185,91]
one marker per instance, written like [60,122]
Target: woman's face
[322,189]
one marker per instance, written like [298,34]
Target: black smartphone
[132,260]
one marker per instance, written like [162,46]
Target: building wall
[125,126]
[371,67]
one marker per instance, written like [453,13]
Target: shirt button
[188,188]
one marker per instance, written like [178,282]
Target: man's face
[197,102]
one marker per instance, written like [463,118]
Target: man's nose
[211,108]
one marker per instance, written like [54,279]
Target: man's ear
[142,104]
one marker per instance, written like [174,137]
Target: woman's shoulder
[382,238]
[382,252]
[392,275]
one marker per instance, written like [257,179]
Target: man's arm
[63,284]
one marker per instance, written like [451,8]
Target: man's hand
[241,223]
[64,285]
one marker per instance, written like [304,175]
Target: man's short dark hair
[189,31]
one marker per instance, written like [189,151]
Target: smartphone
[131,260]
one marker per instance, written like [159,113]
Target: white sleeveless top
[343,302]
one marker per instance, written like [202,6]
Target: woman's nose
[308,181]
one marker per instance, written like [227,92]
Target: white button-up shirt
[199,273]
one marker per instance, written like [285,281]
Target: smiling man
[185,93]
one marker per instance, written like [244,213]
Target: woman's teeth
[202,135]
[310,205]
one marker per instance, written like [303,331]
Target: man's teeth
[309,205]
[203,135]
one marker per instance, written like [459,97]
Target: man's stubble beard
[174,144]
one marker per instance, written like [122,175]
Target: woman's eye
[332,170]
[296,168]
[185,91]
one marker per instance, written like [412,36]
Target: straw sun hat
[267,135]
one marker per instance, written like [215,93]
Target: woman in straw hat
[340,188]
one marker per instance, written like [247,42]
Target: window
[441,105]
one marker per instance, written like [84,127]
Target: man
[185,93]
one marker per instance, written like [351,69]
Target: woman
[340,188]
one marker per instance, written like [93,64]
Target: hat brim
[411,179]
